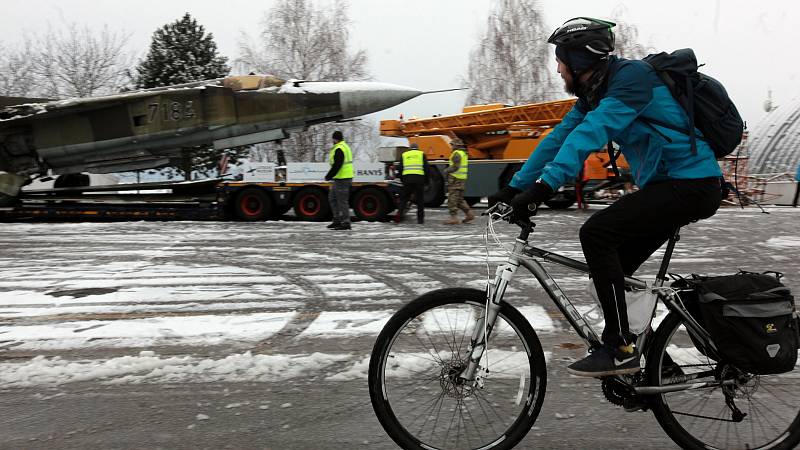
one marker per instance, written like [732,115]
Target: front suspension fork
[484,325]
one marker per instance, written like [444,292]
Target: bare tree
[315,144]
[301,40]
[510,62]
[626,42]
[16,78]
[78,62]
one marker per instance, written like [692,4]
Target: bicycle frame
[529,257]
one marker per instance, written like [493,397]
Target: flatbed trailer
[214,199]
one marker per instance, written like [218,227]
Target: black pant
[418,189]
[618,239]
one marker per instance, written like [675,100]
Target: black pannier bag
[751,319]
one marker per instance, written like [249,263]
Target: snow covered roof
[775,141]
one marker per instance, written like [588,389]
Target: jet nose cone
[358,98]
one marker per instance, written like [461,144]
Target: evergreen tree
[181,52]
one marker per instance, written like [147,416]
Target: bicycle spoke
[491,405]
[424,416]
[428,405]
[453,349]
[438,413]
[416,385]
[778,398]
[464,336]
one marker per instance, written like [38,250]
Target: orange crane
[499,139]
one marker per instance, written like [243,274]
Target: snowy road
[257,335]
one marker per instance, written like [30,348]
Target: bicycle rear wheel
[412,382]
[701,418]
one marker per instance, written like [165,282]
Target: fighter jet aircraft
[143,129]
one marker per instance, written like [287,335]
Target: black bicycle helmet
[594,35]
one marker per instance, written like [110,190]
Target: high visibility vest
[347,167]
[462,171]
[413,162]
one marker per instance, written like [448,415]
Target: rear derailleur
[745,387]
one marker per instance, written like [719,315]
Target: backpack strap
[612,156]
[686,101]
[610,71]
[690,110]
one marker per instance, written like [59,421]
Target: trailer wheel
[434,189]
[562,200]
[371,204]
[253,204]
[472,201]
[311,203]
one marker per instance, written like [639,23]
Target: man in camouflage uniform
[456,183]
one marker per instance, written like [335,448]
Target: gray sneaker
[606,361]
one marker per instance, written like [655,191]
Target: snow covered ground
[136,302]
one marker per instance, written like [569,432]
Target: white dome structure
[774,143]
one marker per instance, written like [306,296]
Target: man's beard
[569,86]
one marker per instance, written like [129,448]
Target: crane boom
[493,131]
[493,118]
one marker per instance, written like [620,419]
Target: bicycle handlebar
[505,212]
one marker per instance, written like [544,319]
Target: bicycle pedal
[636,407]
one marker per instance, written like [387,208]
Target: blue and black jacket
[654,153]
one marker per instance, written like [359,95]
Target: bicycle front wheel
[747,412]
[413,381]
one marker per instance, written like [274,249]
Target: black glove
[504,195]
[526,203]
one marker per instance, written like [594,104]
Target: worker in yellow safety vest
[413,169]
[457,172]
[341,160]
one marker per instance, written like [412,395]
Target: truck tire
[562,200]
[371,204]
[253,204]
[68,180]
[311,203]
[434,189]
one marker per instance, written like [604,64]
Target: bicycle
[441,376]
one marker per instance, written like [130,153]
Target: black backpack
[704,99]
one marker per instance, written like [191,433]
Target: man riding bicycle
[677,185]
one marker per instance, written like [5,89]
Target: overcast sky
[749,46]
